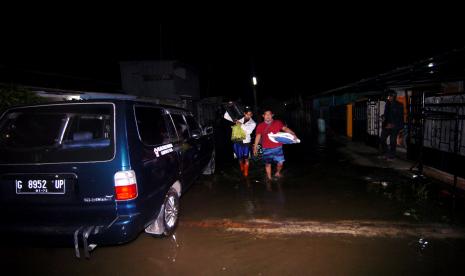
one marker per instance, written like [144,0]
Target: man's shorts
[273,155]
[241,150]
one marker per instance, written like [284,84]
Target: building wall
[186,82]
[159,79]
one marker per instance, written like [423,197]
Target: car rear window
[57,133]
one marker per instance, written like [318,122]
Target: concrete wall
[159,79]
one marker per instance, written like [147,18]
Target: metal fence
[438,131]
[433,135]
[374,111]
[444,124]
[360,121]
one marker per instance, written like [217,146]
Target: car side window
[194,127]
[171,128]
[151,125]
[181,126]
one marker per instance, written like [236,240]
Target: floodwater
[327,216]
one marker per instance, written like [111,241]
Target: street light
[254,82]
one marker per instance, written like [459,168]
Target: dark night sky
[288,58]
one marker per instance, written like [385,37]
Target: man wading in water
[272,152]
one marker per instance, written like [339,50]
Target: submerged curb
[356,228]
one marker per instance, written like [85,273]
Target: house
[433,96]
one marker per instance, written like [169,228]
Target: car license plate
[41,186]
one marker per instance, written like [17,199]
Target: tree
[11,95]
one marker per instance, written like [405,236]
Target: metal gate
[360,123]
[438,131]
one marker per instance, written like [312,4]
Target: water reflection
[173,248]
[423,198]
[321,141]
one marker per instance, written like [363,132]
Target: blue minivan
[98,171]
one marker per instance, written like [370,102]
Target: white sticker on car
[162,150]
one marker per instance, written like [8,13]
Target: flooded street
[327,216]
[128,150]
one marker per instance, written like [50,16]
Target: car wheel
[168,217]
[210,168]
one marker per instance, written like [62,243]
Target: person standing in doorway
[272,152]
[393,122]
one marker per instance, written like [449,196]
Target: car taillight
[125,185]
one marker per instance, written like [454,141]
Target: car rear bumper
[121,230]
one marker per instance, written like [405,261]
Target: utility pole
[161,43]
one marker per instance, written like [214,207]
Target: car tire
[167,218]
[210,168]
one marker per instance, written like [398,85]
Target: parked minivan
[99,171]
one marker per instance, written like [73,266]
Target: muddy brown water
[325,217]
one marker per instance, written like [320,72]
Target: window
[171,128]
[194,127]
[157,77]
[88,127]
[151,125]
[181,126]
[57,133]
[22,130]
